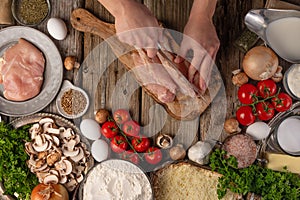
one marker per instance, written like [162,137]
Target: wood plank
[174,15]
[101,88]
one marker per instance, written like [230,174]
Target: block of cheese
[279,161]
[187,181]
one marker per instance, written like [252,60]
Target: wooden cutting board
[181,109]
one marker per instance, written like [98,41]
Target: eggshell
[57,28]
[258,130]
[90,129]
[100,150]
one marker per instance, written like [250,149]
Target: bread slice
[184,181]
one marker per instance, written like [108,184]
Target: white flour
[117,180]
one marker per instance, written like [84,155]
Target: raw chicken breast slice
[21,71]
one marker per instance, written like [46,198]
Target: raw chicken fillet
[21,71]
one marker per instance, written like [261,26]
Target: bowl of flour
[116,179]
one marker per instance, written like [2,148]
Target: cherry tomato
[282,102]
[266,88]
[247,93]
[245,115]
[264,110]
[118,144]
[131,156]
[131,128]
[121,116]
[153,155]
[109,129]
[140,144]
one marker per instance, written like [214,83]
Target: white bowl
[67,85]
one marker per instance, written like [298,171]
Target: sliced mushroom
[164,141]
[63,179]
[53,157]
[55,172]
[68,168]
[41,148]
[54,131]
[47,126]
[79,178]
[78,157]
[68,133]
[34,130]
[70,145]
[46,120]
[42,154]
[29,149]
[71,184]
[39,140]
[41,176]
[40,169]
[31,161]
[55,140]
[40,163]
[71,153]
[50,179]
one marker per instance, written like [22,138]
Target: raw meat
[21,71]
[154,77]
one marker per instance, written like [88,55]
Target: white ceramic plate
[53,73]
[67,85]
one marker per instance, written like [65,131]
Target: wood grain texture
[229,22]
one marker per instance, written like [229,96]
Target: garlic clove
[200,152]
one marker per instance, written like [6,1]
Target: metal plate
[53,73]
[60,121]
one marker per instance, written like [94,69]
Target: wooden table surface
[174,14]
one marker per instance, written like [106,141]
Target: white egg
[258,130]
[100,150]
[57,28]
[90,129]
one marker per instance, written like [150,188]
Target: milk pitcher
[280,29]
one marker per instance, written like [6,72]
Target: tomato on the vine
[282,102]
[109,129]
[131,156]
[264,110]
[266,88]
[247,93]
[140,144]
[121,116]
[118,144]
[131,128]
[245,115]
[153,155]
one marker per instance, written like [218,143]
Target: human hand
[201,37]
[138,27]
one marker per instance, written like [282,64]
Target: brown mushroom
[239,78]
[231,126]
[70,63]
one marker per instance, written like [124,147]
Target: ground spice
[73,102]
[32,11]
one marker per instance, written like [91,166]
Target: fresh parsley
[269,184]
[14,173]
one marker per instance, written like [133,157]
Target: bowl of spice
[72,102]
[31,12]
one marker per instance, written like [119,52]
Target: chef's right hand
[136,26]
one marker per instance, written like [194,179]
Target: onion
[49,192]
[260,63]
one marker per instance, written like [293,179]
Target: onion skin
[60,192]
[260,63]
